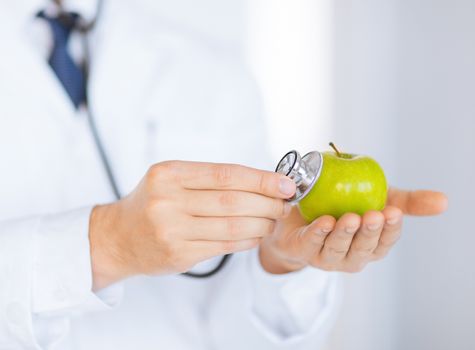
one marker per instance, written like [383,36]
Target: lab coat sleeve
[46,278]
[291,311]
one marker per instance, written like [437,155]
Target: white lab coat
[156,94]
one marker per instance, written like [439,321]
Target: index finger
[219,176]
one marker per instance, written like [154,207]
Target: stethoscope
[85,29]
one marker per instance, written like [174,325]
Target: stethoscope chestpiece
[304,171]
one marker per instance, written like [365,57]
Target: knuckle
[342,238]
[228,199]
[152,208]
[336,251]
[327,266]
[154,170]
[223,174]
[262,183]
[317,241]
[164,237]
[228,246]
[278,208]
[168,249]
[155,210]
[164,171]
[252,243]
[271,227]
[233,226]
[159,169]
[368,235]
[363,251]
[300,232]
[263,228]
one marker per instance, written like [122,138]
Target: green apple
[348,183]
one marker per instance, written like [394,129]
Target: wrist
[275,263]
[107,263]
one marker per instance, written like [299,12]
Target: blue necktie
[71,76]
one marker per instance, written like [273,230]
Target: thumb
[419,203]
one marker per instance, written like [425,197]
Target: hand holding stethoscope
[160,239]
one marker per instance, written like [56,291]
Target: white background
[396,80]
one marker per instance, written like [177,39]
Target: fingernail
[392,221]
[350,230]
[287,186]
[373,227]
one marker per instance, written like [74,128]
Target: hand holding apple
[346,244]
[344,195]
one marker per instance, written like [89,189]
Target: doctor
[81,268]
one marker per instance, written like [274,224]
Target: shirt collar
[87,9]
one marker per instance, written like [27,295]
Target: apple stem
[332,145]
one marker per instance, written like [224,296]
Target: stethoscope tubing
[85,30]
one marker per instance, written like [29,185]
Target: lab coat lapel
[24,72]
[123,75]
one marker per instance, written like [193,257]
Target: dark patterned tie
[71,76]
